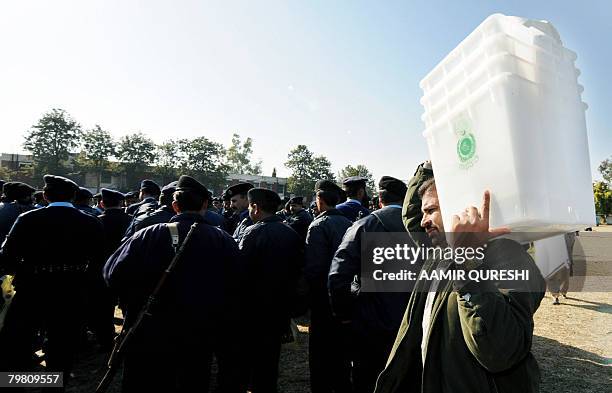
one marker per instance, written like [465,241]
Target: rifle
[124,338]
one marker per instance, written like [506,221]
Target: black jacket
[66,241]
[201,294]
[300,222]
[323,238]
[115,222]
[8,214]
[374,311]
[273,252]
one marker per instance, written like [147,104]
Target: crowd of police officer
[252,263]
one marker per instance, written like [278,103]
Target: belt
[58,268]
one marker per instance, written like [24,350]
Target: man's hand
[471,227]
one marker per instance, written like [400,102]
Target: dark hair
[353,189]
[59,194]
[329,197]
[264,204]
[189,201]
[426,186]
[386,197]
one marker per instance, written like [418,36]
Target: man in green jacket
[466,336]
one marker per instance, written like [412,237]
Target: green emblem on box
[466,142]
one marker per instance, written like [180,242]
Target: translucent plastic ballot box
[551,255]
[504,112]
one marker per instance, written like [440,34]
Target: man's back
[115,222]
[66,237]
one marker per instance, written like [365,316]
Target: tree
[204,160]
[51,141]
[98,147]
[168,160]
[306,169]
[603,198]
[136,153]
[605,168]
[238,157]
[359,170]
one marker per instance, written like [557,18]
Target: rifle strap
[174,235]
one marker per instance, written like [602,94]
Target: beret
[60,182]
[169,188]
[2,184]
[189,184]
[111,194]
[298,200]
[9,189]
[18,190]
[263,194]
[150,185]
[327,185]
[83,193]
[354,180]
[240,188]
[392,185]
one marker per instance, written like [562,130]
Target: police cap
[392,185]
[83,193]
[111,196]
[298,200]
[60,183]
[150,186]
[189,184]
[169,188]
[355,180]
[239,189]
[267,199]
[327,185]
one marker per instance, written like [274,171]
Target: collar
[244,214]
[63,204]
[184,217]
[354,201]
[394,206]
[331,212]
[149,199]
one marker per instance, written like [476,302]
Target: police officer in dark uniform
[115,221]
[50,278]
[197,309]
[328,359]
[149,192]
[39,200]
[213,217]
[300,218]
[231,217]
[273,254]
[240,205]
[355,188]
[82,201]
[374,317]
[18,200]
[163,213]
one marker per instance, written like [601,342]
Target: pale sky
[341,77]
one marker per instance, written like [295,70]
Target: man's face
[432,218]
[239,203]
[295,208]
[227,205]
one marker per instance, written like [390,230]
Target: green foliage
[204,160]
[98,146]
[238,157]
[603,198]
[168,160]
[359,170]
[136,153]
[605,168]
[306,169]
[51,140]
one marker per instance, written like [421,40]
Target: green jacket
[480,345]
[411,211]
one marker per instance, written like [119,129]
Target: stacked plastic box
[503,112]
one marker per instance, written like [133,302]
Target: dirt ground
[572,341]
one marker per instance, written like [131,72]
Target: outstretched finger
[486,202]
